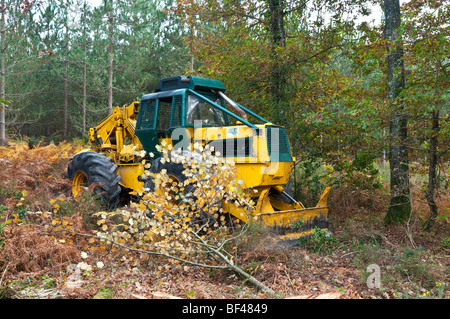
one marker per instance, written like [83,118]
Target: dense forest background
[320,68]
[60,56]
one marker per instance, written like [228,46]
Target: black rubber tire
[173,168]
[176,169]
[101,170]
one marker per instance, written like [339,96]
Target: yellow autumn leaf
[141,206]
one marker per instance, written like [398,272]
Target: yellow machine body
[116,137]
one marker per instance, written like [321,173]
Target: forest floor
[35,263]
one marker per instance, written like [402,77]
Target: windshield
[200,110]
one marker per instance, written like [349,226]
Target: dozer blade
[290,225]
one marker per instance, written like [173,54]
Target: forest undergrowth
[49,246]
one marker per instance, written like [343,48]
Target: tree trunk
[277,39]
[400,203]
[66,74]
[276,23]
[83,107]
[66,89]
[110,68]
[2,80]
[433,155]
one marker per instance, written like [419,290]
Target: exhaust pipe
[234,105]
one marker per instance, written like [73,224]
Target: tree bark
[66,85]
[276,23]
[400,203]
[433,155]
[83,107]
[111,51]
[66,71]
[277,36]
[2,80]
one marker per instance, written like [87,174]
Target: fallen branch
[230,264]
[209,249]
[104,238]
[4,272]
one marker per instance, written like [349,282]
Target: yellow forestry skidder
[184,110]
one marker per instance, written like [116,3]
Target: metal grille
[278,144]
[177,111]
[239,147]
[164,110]
[146,115]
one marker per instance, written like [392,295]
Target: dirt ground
[36,263]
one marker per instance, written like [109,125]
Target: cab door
[146,126]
